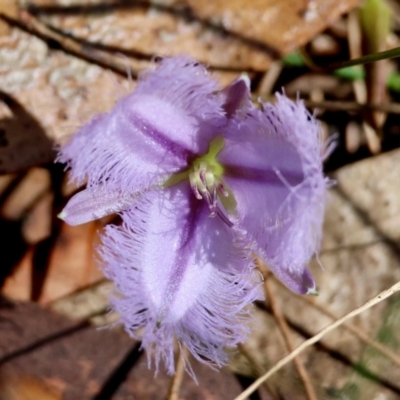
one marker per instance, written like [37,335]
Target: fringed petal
[180,274]
[170,117]
[95,202]
[273,165]
[237,96]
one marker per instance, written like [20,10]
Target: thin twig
[348,106]
[270,77]
[352,106]
[258,369]
[375,300]
[359,86]
[285,330]
[355,331]
[176,381]
[30,24]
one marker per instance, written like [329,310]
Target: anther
[206,186]
[194,185]
[221,189]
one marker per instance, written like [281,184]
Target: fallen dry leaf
[23,141]
[9,8]
[280,25]
[69,265]
[17,386]
[82,362]
[60,91]
[34,184]
[38,223]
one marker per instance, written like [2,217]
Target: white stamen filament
[206,186]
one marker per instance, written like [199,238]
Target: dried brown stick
[359,333]
[176,380]
[285,330]
[269,79]
[316,338]
[352,106]
[359,86]
[32,25]
[258,369]
[348,106]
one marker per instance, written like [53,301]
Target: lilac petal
[180,275]
[95,202]
[237,96]
[172,115]
[113,152]
[273,165]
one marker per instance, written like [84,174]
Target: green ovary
[205,175]
[209,159]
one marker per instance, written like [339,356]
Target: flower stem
[176,381]
[370,58]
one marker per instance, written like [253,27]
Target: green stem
[370,58]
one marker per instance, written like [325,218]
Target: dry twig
[359,86]
[258,369]
[32,25]
[352,106]
[269,79]
[285,330]
[176,380]
[359,333]
[375,300]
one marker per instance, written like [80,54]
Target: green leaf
[294,59]
[376,18]
[350,73]
[393,82]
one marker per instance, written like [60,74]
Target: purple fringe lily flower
[204,182]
